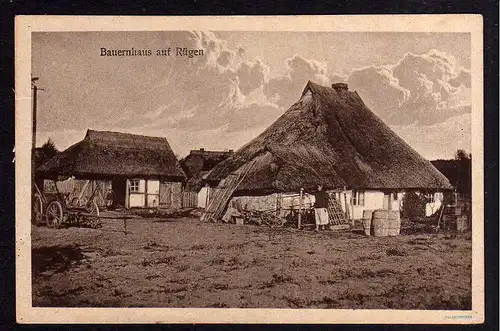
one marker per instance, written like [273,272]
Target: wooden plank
[189,199]
[299,219]
[127,193]
[165,194]
[221,197]
[227,187]
[83,190]
[339,227]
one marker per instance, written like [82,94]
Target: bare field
[182,262]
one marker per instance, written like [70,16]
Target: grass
[186,263]
[396,252]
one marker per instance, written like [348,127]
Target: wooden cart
[56,208]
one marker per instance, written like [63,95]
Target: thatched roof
[198,163]
[330,137]
[111,154]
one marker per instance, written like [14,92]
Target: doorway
[119,187]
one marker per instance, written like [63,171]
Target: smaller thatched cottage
[196,165]
[140,171]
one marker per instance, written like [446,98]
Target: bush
[413,206]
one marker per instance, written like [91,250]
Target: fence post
[300,208]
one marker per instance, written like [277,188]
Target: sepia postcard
[294,169]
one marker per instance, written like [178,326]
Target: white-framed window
[134,185]
[358,198]
[430,197]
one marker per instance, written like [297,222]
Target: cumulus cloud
[335,78]
[379,89]
[438,140]
[218,55]
[251,75]
[462,78]
[209,91]
[207,101]
[420,89]
[284,90]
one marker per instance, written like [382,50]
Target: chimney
[340,87]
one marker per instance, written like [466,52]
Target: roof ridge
[102,133]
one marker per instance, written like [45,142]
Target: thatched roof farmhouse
[330,137]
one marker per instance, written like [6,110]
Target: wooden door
[165,195]
[127,193]
[152,193]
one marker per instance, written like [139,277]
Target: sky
[417,83]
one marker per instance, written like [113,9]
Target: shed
[196,165]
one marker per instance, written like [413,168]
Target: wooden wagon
[56,208]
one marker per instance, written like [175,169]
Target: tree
[49,149]
[463,169]
[44,153]
[413,206]
[461,154]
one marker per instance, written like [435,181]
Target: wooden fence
[189,199]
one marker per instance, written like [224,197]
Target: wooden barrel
[393,223]
[367,221]
[379,222]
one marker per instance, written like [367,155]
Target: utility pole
[35,97]
[33,138]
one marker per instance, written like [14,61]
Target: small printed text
[170,51]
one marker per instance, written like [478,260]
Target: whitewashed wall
[204,196]
[373,200]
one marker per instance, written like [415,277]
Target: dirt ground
[182,262]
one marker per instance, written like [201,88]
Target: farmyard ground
[182,262]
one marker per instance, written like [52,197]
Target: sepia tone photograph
[212,168]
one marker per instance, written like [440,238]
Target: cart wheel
[75,202]
[54,214]
[37,212]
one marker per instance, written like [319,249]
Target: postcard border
[25,25]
